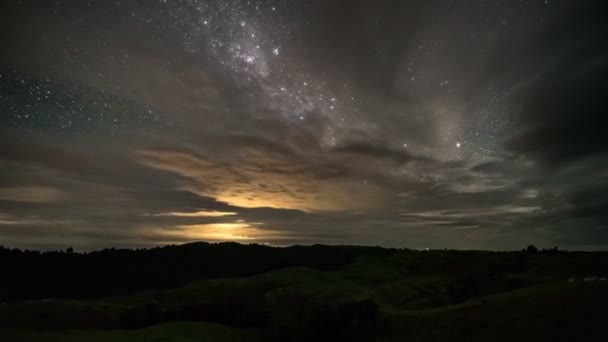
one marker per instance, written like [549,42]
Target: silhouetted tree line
[534,249]
[29,275]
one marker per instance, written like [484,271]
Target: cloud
[257,180]
[31,194]
[558,113]
[122,127]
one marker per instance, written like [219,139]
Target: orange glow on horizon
[240,231]
[202,213]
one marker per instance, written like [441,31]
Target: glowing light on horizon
[202,213]
[241,231]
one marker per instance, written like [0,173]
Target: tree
[532,249]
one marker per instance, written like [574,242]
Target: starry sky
[476,124]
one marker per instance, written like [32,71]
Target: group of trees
[534,249]
[28,275]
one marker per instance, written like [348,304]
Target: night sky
[471,124]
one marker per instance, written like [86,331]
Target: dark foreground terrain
[231,292]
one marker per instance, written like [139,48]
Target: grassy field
[409,295]
[182,332]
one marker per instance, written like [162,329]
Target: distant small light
[458,145]
[275,51]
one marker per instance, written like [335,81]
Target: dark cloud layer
[461,124]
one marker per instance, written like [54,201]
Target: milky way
[246,39]
[435,124]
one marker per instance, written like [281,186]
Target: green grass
[418,297]
[175,332]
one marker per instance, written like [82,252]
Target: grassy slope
[418,298]
[183,332]
[553,312]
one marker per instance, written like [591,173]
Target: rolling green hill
[397,296]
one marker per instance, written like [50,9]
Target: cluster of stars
[43,103]
[247,38]
[483,133]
